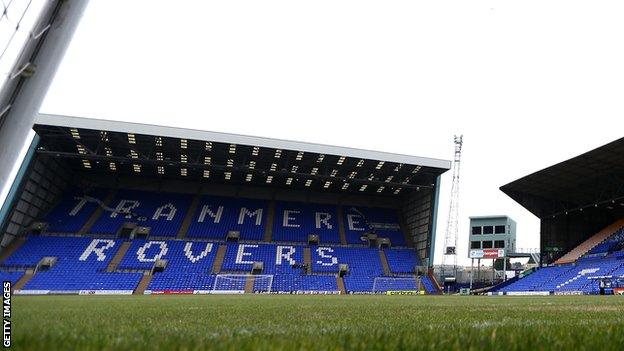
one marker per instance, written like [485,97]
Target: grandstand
[104,207]
[581,206]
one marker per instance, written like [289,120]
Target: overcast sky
[528,83]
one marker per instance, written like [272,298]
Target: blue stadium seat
[162,212]
[383,221]
[215,216]
[295,221]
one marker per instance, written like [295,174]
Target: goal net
[384,284]
[239,283]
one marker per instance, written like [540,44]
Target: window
[476,230]
[487,244]
[499,229]
[488,230]
[475,244]
[499,244]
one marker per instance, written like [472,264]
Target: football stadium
[129,236]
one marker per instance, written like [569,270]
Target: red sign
[487,253]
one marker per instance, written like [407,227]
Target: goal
[383,284]
[241,283]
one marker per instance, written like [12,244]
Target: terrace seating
[402,260]
[12,276]
[72,212]
[361,220]
[80,264]
[94,264]
[295,221]
[162,212]
[216,216]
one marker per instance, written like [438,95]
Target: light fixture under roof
[397,191]
[334,172]
[308,182]
[294,169]
[380,189]
[230,163]
[206,173]
[248,177]
[232,148]
[379,164]
[416,169]
[320,158]
[74,132]
[289,181]
[227,175]
[136,167]
[183,172]
[360,163]
[159,156]
[327,184]
[86,163]
[252,164]
[352,174]
[208,146]
[299,156]
[131,138]
[158,141]
[314,171]
[104,136]
[183,143]
[341,160]
[345,186]
[207,160]
[269,179]
[389,179]
[278,153]
[81,149]
[363,187]
[109,152]
[273,167]
[134,154]
[255,151]
[183,158]
[112,166]
[161,170]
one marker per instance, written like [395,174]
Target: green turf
[288,322]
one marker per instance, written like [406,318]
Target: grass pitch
[287,322]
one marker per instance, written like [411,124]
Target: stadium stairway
[24,279]
[11,248]
[143,283]
[590,243]
[268,232]
[188,219]
[307,259]
[341,227]
[86,228]
[341,285]
[403,225]
[384,263]
[112,266]
[436,284]
[218,262]
[249,284]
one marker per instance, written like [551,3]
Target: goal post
[384,284]
[241,283]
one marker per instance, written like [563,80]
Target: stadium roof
[593,179]
[132,148]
